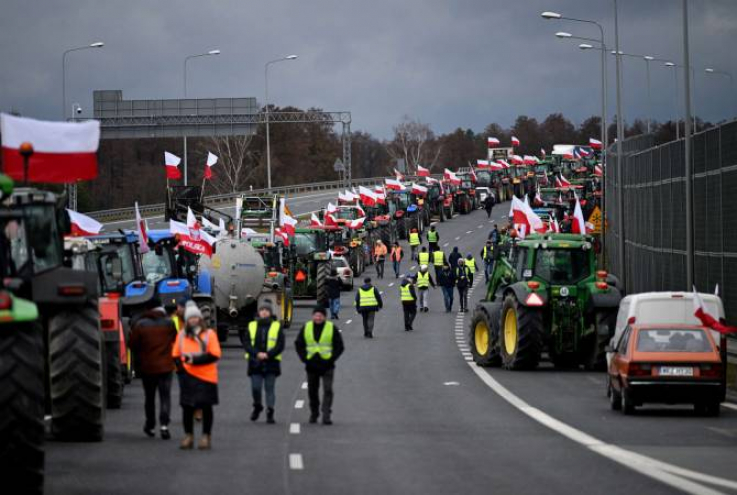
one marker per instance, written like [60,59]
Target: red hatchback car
[666,364]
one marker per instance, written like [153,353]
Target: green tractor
[312,262]
[545,295]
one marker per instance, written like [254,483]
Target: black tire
[223,330]
[323,272]
[483,339]
[76,374]
[22,406]
[114,385]
[525,352]
[594,356]
[354,261]
[442,212]
[628,407]
[615,398]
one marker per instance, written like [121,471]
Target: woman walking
[196,353]
[396,256]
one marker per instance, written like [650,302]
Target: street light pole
[186,59]
[620,169]
[687,153]
[266,110]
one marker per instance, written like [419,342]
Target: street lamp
[710,70]
[266,108]
[186,59]
[675,68]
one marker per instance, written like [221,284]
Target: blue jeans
[257,385]
[488,268]
[396,267]
[334,307]
[448,296]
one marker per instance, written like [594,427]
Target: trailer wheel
[76,374]
[323,272]
[22,406]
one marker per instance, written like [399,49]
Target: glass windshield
[404,200]
[43,236]
[339,262]
[123,252]
[157,267]
[347,213]
[666,340]
[16,236]
[271,257]
[305,243]
[562,266]
[433,192]
[466,184]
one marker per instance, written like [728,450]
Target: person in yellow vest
[471,266]
[319,345]
[178,315]
[414,243]
[264,344]
[433,238]
[423,281]
[423,258]
[368,302]
[408,296]
[487,255]
[438,259]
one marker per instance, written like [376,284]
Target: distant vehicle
[340,263]
[666,364]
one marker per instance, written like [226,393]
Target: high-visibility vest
[471,264]
[432,236]
[396,254]
[323,348]
[423,280]
[193,345]
[367,298]
[177,322]
[424,258]
[437,257]
[460,270]
[272,338]
[488,252]
[406,294]
[414,239]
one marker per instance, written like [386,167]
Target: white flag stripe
[50,137]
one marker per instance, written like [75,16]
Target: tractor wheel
[323,272]
[594,358]
[22,406]
[385,235]
[521,335]
[114,386]
[401,229]
[484,340]
[76,375]
[615,398]
[628,407]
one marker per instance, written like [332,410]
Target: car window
[624,342]
[677,340]
[624,308]
[339,263]
[521,262]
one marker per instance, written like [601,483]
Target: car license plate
[676,371]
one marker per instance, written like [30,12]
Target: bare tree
[237,162]
[415,143]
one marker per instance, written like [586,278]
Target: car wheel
[615,398]
[628,407]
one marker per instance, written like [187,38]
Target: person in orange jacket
[196,353]
[396,256]
[380,253]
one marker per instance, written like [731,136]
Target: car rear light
[272,274]
[534,300]
[639,369]
[676,296]
[602,274]
[532,284]
[711,370]
[6,302]
[172,283]
[601,285]
[72,290]
[631,320]
[107,324]
[348,272]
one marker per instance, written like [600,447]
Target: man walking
[433,238]
[380,258]
[368,302]
[471,265]
[438,260]
[409,302]
[319,345]
[152,339]
[453,258]
[423,258]
[446,281]
[334,285]
[424,281]
[414,243]
[463,282]
[487,254]
[489,204]
[396,256]
[494,235]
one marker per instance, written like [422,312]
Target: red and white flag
[483,164]
[286,221]
[191,236]
[517,160]
[561,182]
[708,320]
[432,180]
[63,152]
[399,175]
[472,174]
[524,219]
[345,197]
[380,195]
[394,185]
[504,163]
[595,143]
[578,224]
[451,177]
[368,197]
[418,189]
[82,225]
[172,162]
[315,221]
[530,160]
[330,212]
[282,235]
[492,142]
[422,171]
[515,141]
[598,170]
[553,225]
[357,223]
[211,160]
[142,230]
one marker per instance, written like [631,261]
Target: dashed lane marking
[413,267]
[445,245]
[299,404]
[451,384]
[480,227]
[295,462]
[391,284]
[295,429]
[469,232]
[348,322]
[304,385]
[468,358]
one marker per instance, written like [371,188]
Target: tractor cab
[167,268]
[181,199]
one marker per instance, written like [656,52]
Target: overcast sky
[451,63]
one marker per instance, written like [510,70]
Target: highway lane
[411,416]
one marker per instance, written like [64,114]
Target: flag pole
[202,190]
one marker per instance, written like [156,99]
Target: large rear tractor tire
[323,272]
[22,406]
[595,351]
[76,375]
[484,340]
[114,384]
[521,335]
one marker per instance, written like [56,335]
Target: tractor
[406,212]
[168,268]
[181,199]
[355,244]
[545,295]
[464,197]
[434,201]
[312,261]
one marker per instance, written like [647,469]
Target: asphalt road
[413,416]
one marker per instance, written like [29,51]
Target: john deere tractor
[312,262]
[545,295]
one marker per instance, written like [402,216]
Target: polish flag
[472,174]
[708,320]
[515,141]
[538,199]
[288,224]
[345,197]
[62,152]
[394,185]
[82,225]
[483,164]
[399,175]
[564,182]
[191,236]
[282,235]
[553,226]
[315,221]
[431,180]
[368,197]
[380,195]
[598,170]
[211,160]
[492,142]
[451,177]
[354,196]
[524,219]
[504,163]
[142,230]
[330,215]
[542,152]
[496,165]
[172,166]
[595,143]
[517,160]
[418,189]
[357,223]
[530,160]
[361,210]
[422,171]
[578,226]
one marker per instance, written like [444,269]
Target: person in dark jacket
[334,285]
[463,282]
[489,204]
[319,345]
[446,281]
[368,302]
[196,353]
[264,344]
[454,257]
[494,235]
[408,296]
[151,339]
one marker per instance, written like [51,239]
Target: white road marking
[480,227]
[451,384]
[468,358]
[458,238]
[295,462]
[381,292]
[729,405]
[391,284]
[304,385]
[348,322]
[445,245]
[295,429]
[469,232]
[299,404]
[672,475]
[413,267]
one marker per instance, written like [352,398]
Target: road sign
[595,220]
[338,165]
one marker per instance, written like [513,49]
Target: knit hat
[319,309]
[191,310]
[266,305]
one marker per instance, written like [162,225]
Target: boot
[256,412]
[326,419]
[313,418]
[270,416]
[187,442]
[204,443]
